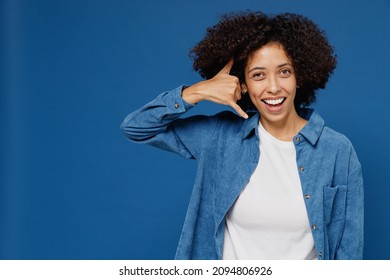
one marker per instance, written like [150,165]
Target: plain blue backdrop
[72,186]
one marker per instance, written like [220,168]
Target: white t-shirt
[269,218]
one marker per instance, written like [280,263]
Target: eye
[258,76]
[285,73]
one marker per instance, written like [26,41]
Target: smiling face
[271,83]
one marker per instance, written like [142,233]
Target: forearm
[155,116]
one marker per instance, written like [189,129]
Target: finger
[226,69]
[239,110]
[238,92]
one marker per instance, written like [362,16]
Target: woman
[273,182]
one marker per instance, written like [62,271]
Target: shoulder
[223,118]
[228,125]
[225,122]
[333,142]
[316,130]
[333,135]
[333,138]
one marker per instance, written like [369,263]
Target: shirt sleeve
[351,245]
[158,123]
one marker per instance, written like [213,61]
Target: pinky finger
[238,110]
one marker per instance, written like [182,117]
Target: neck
[285,129]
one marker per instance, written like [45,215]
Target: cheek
[255,98]
[292,91]
[256,91]
[252,94]
[290,86]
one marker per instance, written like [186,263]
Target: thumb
[226,69]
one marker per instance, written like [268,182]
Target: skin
[269,75]
[223,88]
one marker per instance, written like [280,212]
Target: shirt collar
[311,131]
[251,124]
[315,124]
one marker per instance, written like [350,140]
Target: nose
[273,85]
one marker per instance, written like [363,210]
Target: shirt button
[320,254]
[314,226]
[297,139]
[177,105]
[302,168]
[307,196]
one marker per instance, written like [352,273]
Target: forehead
[271,54]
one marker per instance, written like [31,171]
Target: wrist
[191,94]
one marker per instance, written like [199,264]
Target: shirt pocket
[334,203]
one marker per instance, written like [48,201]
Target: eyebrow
[263,68]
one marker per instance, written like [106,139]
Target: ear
[244,88]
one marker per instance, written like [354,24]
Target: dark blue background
[72,187]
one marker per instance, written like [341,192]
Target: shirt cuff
[177,103]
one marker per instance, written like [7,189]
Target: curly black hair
[238,35]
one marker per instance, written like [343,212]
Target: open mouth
[274,102]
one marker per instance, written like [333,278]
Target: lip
[274,108]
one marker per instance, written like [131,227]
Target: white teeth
[274,101]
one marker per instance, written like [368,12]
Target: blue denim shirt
[226,147]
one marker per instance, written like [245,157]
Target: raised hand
[223,88]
